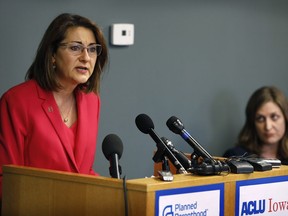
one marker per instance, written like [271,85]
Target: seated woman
[264,133]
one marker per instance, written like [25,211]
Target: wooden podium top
[186,180]
[143,184]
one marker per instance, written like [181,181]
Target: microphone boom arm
[198,149]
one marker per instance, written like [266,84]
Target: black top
[236,151]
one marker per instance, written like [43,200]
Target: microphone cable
[125,196]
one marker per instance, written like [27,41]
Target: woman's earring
[54,66]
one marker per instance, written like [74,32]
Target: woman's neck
[63,96]
[269,150]
[66,103]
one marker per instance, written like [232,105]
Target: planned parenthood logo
[183,210]
[191,201]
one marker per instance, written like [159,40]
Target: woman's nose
[85,55]
[268,124]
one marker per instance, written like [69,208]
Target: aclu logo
[183,210]
[263,206]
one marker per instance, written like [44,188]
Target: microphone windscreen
[144,123]
[112,144]
[174,124]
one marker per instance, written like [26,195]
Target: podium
[33,191]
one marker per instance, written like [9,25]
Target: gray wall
[197,60]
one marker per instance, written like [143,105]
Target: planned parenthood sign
[191,201]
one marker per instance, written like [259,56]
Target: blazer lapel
[82,129]
[51,109]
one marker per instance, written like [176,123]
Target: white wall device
[122,34]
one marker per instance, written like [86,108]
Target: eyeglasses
[77,49]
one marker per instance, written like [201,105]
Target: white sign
[268,196]
[191,201]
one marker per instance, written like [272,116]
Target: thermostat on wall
[122,34]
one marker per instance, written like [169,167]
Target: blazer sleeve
[11,137]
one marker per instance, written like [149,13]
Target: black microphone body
[176,126]
[115,168]
[209,166]
[112,148]
[145,125]
[182,158]
[167,151]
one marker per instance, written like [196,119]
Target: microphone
[177,127]
[112,148]
[210,165]
[145,124]
[182,158]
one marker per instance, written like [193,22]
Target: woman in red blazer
[51,120]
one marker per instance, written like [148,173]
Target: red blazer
[32,131]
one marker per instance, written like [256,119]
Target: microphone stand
[158,157]
[206,166]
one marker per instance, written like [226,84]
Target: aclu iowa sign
[191,201]
[262,197]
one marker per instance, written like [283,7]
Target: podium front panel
[198,200]
[31,191]
[264,196]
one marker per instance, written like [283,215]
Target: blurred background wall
[194,59]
